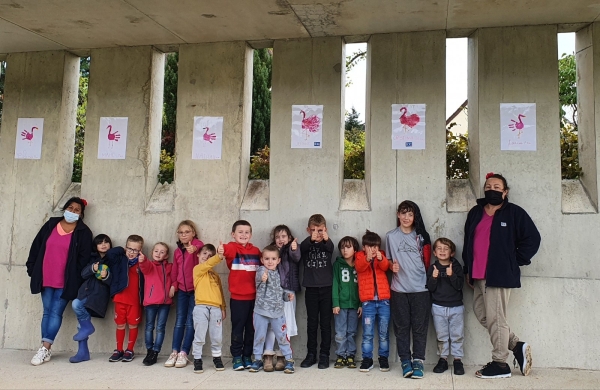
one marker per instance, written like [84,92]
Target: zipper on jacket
[164,281]
[374,278]
[151,289]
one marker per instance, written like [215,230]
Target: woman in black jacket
[58,253]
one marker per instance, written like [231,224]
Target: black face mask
[493,197]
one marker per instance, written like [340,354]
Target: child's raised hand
[325,235]
[221,249]
[436,272]
[103,273]
[265,276]
[95,267]
[395,266]
[359,312]
[141,258]
[294,244]
[449,271]
[291,296]
[336,310]
[223,314]
[314,236]
[191,249]
[172,292]
[379,257]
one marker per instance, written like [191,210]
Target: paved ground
[98,373]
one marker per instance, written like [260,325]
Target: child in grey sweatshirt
[268,309]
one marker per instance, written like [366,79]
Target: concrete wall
[555,309]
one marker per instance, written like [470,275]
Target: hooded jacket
[372,278]
[289,270]
[118,263]
[97,291]
[157,282]
[182,273]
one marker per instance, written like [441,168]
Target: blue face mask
[70,217]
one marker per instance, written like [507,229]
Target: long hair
[407,206]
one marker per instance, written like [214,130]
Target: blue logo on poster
[317,144]
[408,144]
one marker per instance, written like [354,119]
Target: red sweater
[242,261]
[182,274]
[157,282]
[372,275]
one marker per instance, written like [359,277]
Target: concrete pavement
[98,373]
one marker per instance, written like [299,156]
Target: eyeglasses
[131,250]
[185,233]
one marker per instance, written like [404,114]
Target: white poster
[112,142]
[517,126]
[408,126]
[307,127]
[208,138]
[30,132]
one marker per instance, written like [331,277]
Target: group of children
[263,286]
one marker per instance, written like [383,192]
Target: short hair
[240,222]
[371,239]
[406,207]
[445,241]
[99,239]
[190,223]
[348,240]
[163,244]
[281,228]
[79,201]
[496,176]
[317,220]
[211,248]
[271,248]
[135,238]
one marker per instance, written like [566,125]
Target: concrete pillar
[38,85]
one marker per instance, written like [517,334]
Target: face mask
[493,197]
[70,217]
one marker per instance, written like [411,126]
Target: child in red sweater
[243,259]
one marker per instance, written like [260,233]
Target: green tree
[351,62]
[82,97]
[354,146]
[166,171]
[352,121]
[569,138]
[261,100]
[457,154]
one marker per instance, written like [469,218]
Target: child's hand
[291,297]
[294,244]
[395,266]
[191,249]
[103,273]
[314,236]
[449,271]
[436,272]
[359,312]
[379,257]
[223,314]
[325,235]
[172,292]
[336,310]
[221,249]
[95,267]
[265,276]
[141,258]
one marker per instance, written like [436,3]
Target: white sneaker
[171,360]
[182,360]
[42,355]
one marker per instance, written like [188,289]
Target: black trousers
[410,312]
[318,302]
[242,327]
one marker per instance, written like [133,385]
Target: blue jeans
[158,313]
[184,322]
[80,310]
[54,307]
[346,324]
[376,311]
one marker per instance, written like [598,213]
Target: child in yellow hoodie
[209,311]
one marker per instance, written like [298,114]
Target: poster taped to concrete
[112,138]
[518,126]
[30,132]
[408,126]
[208,138]
[307,127]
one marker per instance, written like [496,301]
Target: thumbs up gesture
[379,257]
[221,248]
[265,276]
[294,245]
[449,271]
[395,266]
[141,257]
[436,272]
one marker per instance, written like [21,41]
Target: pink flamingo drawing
[112,136]
[310,124]
[27,136]
[208,137]
[410,120]
[517,126]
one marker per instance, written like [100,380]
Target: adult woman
[58,253]
[499,237]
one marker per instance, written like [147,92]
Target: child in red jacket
[157,300]
[374,293]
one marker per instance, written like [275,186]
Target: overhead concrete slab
[14,39]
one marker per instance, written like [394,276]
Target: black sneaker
[494,370]
[383,364]
[442,365]
[522,354]
[218,364]
[198,366]
[128,356]
[147,358]
[366,365]
[116,356]
[309,361]
[340,362]
[350,363]
[323,362]
[458,367]
[152,358]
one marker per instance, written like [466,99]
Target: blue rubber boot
[86,329]
[83,354]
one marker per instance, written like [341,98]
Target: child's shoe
[308,361]
[85,330]
[323,362]
[198,366]
[171,360]
[384,365]
[218,364]
[417,366]
[238,364]
[280,365]
[182,360]
[268,361]
[83,353]
[247,362]
[256,366]
[289,367]
[441,366]
[522,354]
[41,356]
[350,363]
[458,367]
[153,358]
[494,370]
[340,362]
[407,369]
[147,358]
[366,365]
[116,356]
[128,356]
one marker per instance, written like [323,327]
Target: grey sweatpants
[449,323]
[261,323]
[207,318]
